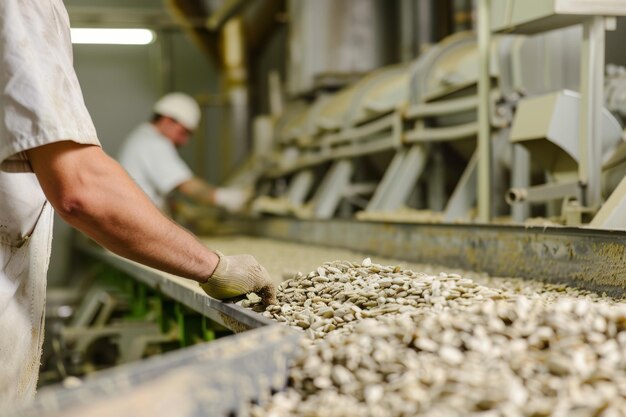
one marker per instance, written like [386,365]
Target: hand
[237,275]
[231,199]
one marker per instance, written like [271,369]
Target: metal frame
[536,16]
[399,179]
[330,192]
[591,106]
[218,378]
[484,125]
[300,187]
[187,292]
[463,198]
[585,258]
[612,215]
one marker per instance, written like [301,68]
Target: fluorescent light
[112,36]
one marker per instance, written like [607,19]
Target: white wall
[120,83]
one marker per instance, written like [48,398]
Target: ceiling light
[112,36]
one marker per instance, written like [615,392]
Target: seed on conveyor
[393,342]
[516,338]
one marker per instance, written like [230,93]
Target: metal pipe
[220,17]
[520,177]
[592,103]
[407,30]
[186,13]
[484,125]
[543,193]
[235,67]
[424,24]
[515,195]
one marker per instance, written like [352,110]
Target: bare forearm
[106,204]
[198,190]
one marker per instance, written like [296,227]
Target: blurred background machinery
[401,143]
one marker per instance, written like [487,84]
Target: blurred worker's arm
[231,199]
[198,190]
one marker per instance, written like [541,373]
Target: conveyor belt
[583,258]
[219,378]
[580,257]
[185,291]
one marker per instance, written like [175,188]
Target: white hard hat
[180,107]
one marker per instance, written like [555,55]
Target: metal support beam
[234,61]
[376,201]
[436,180]
[424,24]
[330,192]
[300,187]
[408,38]
[190,326]
[228,9]
[399,179]
[612,215]
[520,178]
[408,174]
[463,198]
[484,125]
[592,103]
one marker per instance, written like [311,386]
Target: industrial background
[421,169]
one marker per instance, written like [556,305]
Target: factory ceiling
[202,20]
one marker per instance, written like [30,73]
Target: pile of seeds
[342,292]
[384,341]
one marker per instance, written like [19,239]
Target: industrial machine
[404,139]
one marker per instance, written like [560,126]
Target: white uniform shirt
[154,163]
[40,103]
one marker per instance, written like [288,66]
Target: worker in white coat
[50,157]
[150,156]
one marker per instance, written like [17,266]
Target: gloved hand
[239,274]
[231,198]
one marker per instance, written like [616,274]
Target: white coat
[154,163]
[40,103]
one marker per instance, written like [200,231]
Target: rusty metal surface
[585,258]
[219,378]
[187,292]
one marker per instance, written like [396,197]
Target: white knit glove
[231,198]
[237,275]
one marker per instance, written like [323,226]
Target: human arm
[93,193]
[198,190]
[231,199]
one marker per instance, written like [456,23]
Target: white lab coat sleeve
[40,103]
[41,99]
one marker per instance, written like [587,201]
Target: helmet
[180,107]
